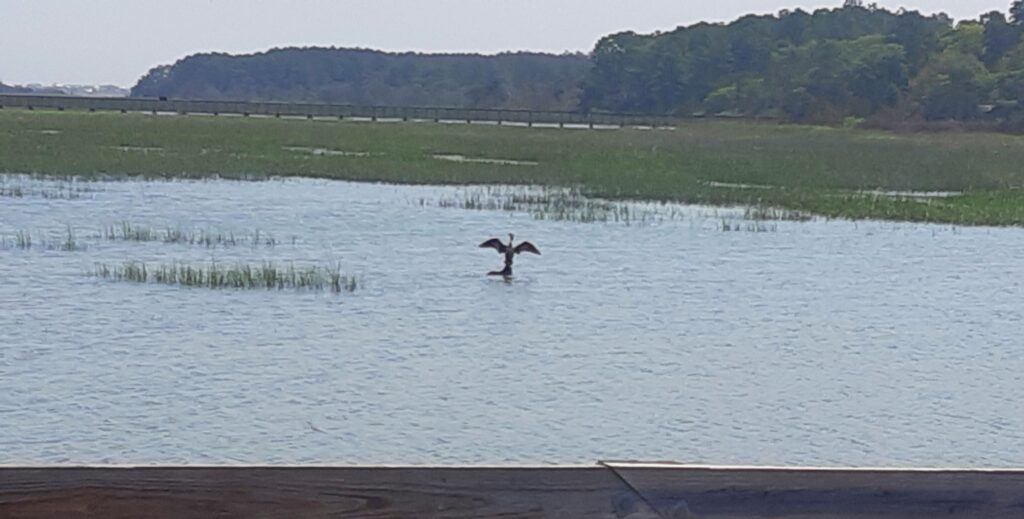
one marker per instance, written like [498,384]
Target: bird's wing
[527,247]
[496,244]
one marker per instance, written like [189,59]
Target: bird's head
[511,237]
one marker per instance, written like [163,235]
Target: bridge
[335,111]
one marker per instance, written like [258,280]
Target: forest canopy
[854,61]
[368,77]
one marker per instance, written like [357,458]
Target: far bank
[958,178]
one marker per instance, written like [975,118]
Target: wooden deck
[608,490]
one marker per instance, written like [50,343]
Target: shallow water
[821,343]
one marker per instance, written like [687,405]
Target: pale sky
[117,41]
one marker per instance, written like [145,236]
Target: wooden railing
[607,490]
[339,111]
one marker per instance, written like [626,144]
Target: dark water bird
[509,251]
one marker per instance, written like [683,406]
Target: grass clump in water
[50,193]
[756,227]
[555,204]
[70,243]
[264,276]
[29,186]
[759,212]
[23,240]
[129,232]
[205,238]
[12,191]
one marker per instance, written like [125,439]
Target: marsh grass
[755,227]
[12,191]
[555,204]
[70,243]
[263,276]
[23,240]
[128,231]
[811,170]
[49,191]
[759,212]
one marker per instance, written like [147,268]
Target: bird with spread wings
[510,250]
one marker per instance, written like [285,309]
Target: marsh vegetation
[262,276]
[181,268]
[734,226]
[128,231]
[556,204]
[24,240]
[833,172]
[26,186]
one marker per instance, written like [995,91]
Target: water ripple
[823,343]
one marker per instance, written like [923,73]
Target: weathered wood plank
[612,490]
[783,493]
[271,492]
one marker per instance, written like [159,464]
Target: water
[821,343]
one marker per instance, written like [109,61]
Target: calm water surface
[821,343]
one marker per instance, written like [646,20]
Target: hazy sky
[117,41]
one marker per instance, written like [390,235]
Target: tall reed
[23,240]
[127,231]
[267,275]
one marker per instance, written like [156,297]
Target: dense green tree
[999,36]
[791,27]
[1009,86]
[968,38]
[877,74]
[919,36]
[1017,12]
[751,41]
[1013,60]
[618,78]
[953,86]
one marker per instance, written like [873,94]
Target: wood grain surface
[611,490]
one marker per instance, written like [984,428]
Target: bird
[509,251]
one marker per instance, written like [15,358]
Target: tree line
[831,65]
[856,61]
[369,77]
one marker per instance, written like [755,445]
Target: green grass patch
[799,168]
[555,204]
[128,231]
